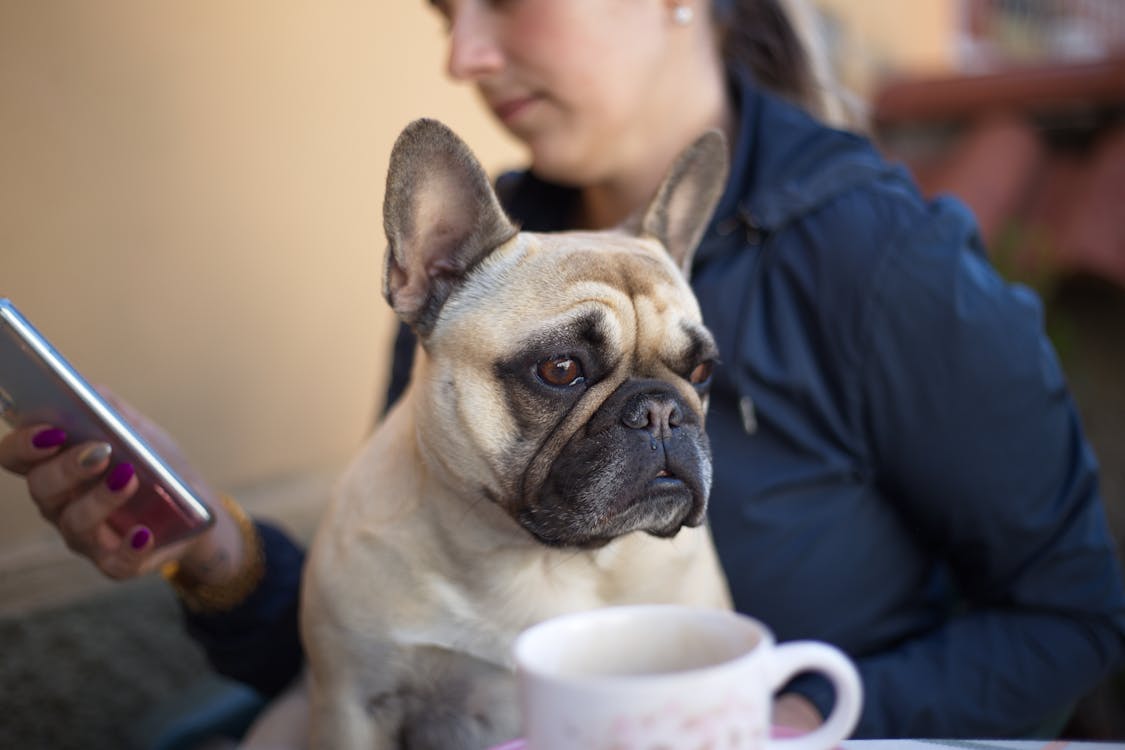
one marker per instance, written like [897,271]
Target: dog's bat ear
[683,205]
[441,217]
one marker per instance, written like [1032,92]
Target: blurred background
[190,208]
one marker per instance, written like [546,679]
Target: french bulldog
[548,456]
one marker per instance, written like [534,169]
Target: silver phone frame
[99,408]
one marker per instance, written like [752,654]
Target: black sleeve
[402,362]
[257,643]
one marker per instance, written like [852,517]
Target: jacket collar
[785,163]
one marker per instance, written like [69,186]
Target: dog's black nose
[657,413]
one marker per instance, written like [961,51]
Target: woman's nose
[474,49]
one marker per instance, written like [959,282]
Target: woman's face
[584,83]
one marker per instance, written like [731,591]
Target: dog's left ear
[441,217]
[682,208]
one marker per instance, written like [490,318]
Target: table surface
[979,745]
[941,744]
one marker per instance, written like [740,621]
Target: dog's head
[565,375]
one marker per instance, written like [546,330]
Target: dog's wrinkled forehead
[602,285]
[635,266]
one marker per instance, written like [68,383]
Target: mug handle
[789,660]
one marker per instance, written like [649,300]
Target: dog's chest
[480,610]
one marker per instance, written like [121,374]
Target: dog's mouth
[667,504]
[590,516]
[666,480]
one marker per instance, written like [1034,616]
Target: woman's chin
[555,165]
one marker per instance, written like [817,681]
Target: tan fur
[421,573]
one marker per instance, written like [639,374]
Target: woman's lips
[510,110]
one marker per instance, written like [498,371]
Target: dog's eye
[560,372]
[702,372]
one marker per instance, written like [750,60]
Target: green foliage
[1023,252]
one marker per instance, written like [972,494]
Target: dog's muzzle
[642,463]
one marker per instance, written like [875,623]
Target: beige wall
[190,198]
[190,207]
[879,37]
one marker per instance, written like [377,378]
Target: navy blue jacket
[899,468]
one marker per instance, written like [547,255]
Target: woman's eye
[560,372]
[702,373]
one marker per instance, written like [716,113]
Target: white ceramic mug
[651,677]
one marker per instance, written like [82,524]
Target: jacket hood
[786,164]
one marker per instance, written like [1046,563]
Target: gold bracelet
[222,597]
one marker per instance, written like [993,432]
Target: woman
[899,468]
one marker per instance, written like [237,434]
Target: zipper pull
[749,418]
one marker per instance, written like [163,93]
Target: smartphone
[37,385]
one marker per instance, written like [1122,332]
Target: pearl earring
[683,15]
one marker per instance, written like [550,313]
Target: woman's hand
[794,711]
[77,487]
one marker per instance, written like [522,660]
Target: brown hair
[779,43]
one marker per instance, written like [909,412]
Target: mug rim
[534,667]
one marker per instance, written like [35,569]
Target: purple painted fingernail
[48,438]
[119,476]
[140,538]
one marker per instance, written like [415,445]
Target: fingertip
[120,476]
[94,455]
[47,437]
[140,539]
